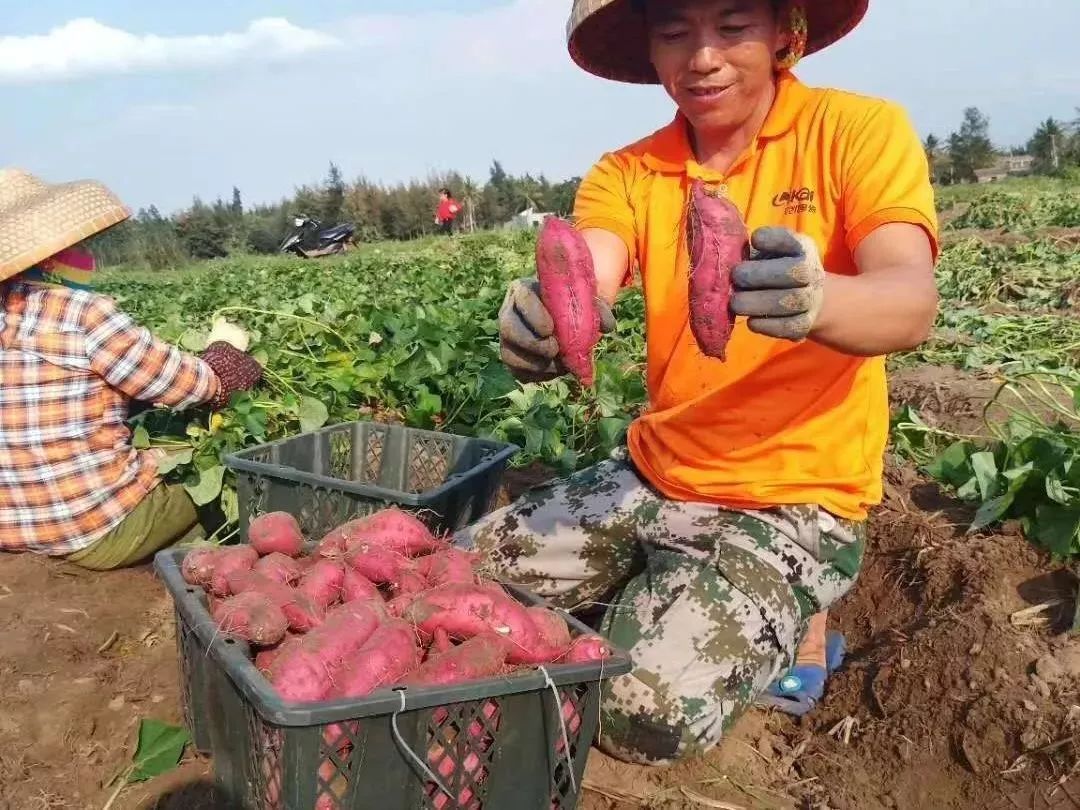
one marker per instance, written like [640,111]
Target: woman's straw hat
[608,38]
[39,219]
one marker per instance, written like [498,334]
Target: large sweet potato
[567,279]
[718,241]
[479,657]
[252,617]
[276,532]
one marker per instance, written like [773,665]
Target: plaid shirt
[70,361]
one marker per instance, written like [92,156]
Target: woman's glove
[235,370]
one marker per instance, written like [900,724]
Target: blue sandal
[799,689]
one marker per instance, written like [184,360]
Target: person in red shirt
[447,211]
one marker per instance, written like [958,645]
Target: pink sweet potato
[409,583]
[444,567]
[717,241]
[587,649]
[479,657]
[392,529]
[323,582]
[355,587]
[299,608]
[279,567]
[228,561]
[252,617]
[378,564]
[264,659]
[198,565]
[551,643]
[306,669]
[388,655]
[276,531]
[567,279]
[464,611]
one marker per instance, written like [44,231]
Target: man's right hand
[527,341]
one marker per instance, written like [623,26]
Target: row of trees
[406,210]
[400,211]
[1054,146]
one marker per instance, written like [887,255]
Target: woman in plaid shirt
[71,484]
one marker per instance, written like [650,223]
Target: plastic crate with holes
[329,476]
[519,741]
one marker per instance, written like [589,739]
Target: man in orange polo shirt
[737,517]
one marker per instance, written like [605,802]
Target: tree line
[1054,148]
[397,211]
[406,210]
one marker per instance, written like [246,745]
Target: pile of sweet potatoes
[378,602]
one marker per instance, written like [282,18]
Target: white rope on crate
[562,725]
[404,746]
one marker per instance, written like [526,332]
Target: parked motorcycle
[310,240]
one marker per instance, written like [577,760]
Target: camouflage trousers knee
[710,603]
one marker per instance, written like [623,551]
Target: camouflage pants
[710,603]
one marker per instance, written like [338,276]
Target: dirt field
[949,698]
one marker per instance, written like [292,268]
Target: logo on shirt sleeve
[796,201]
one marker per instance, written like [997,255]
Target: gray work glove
[781,287]
[527,342]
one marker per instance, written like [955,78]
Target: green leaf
[953,466]
[612,430]
[1055,489]
[208,485]
[985,468]
[159,750]
[140,438]
[174,460]
[193,340]
[991,511]
[230,504]
[313,414]
[1055,527]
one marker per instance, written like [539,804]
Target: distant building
[991,175]
[1018,164]
[1007,166]
[528,219]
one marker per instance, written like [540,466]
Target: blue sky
[167,100]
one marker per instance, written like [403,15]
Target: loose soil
[960,688]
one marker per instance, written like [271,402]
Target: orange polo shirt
[778,422]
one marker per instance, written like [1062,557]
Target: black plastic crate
[501,741]
[329,476]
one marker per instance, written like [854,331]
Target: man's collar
[669,150]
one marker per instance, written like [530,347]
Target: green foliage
[1016,212]
[159,751]
[970,148]
[409,330]
[1028,469]
[406,331]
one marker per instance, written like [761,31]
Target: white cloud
[520,38]
[86,47]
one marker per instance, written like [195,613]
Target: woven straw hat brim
[38,220]
[608,38]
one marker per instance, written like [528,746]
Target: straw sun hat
[39,219]
[608,38]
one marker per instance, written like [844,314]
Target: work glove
[235,370]
[527,343]
[781,287]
